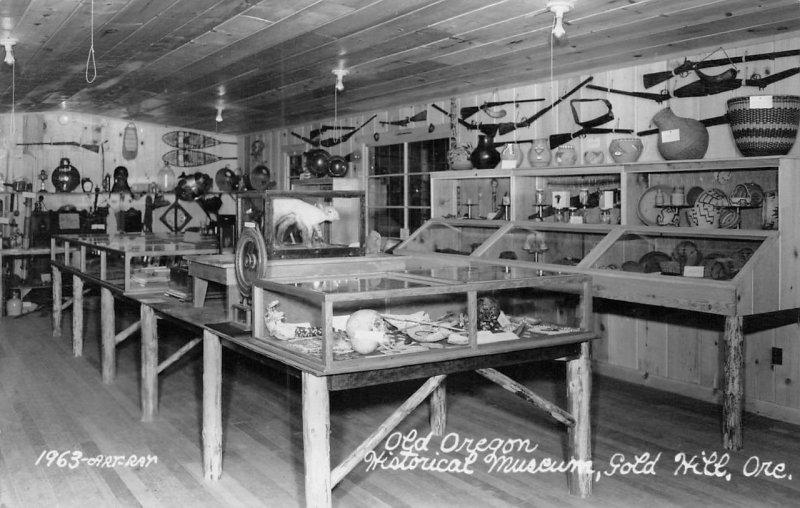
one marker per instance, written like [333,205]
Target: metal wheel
[250,260]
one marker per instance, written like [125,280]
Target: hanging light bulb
[219,115]
[340,74]
[8,44]
[559,8]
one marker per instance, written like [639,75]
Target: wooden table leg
[232,297]
[199,289]
[77,316]
[149,363]
[108,335]
[212,406]
[316,441]
[733,395]
[438,409]
[57,303]
[579,390]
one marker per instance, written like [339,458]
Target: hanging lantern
[166,178]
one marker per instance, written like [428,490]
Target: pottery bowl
[625,149]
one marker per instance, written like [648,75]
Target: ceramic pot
[458,157]
[485,156]
[338,166]
[317,162]
[539,155]
[593,157]
[625,149]
[679,137]
[65,177]
[566,155]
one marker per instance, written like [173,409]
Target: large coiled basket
[764,131]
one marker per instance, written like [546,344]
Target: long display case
[128,263]
[424,310]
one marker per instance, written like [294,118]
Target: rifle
[654,78]
[528,121]
[315,133]
[419,117]
[468,111]
[501,128]
[708,122]
[702,88]
[91,148]
[762,83]
[658,97]
[557,140]
[309,141]
[469,126]
[335,141]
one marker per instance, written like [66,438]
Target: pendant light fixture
[559,8]
[8,45]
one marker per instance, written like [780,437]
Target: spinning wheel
[250,260]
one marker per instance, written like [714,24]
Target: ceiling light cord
[90,58]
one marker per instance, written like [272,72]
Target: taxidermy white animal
[308,218]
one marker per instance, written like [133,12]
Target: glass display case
[715,271]
[471,194]
[539,242]
[588,195]
[564,245]
[305,224]
[364,320]
[450,236]
[130,263]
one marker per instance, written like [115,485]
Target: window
[398,185]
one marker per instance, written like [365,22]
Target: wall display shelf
[712,236]
[435,309]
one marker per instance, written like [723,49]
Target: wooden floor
[52,401]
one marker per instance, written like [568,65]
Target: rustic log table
[120,265]
[320,479]
[549,312]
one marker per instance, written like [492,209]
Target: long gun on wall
[91,148]
[658,97]
[528,121]
[468,111]
[708,122]
[654,78]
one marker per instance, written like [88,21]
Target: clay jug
[679,137]
[485,156]
[14,305]
[539,154]
[511,156]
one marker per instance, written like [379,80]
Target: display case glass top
[673,253]
[451,236]
[141,242]
[344,322]
[544,243]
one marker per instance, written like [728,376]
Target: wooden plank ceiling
[269,63]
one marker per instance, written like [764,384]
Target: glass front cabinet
[714,236]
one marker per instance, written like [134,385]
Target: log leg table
[320,479]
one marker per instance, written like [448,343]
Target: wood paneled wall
[673,350]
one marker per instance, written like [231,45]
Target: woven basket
[764,131]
